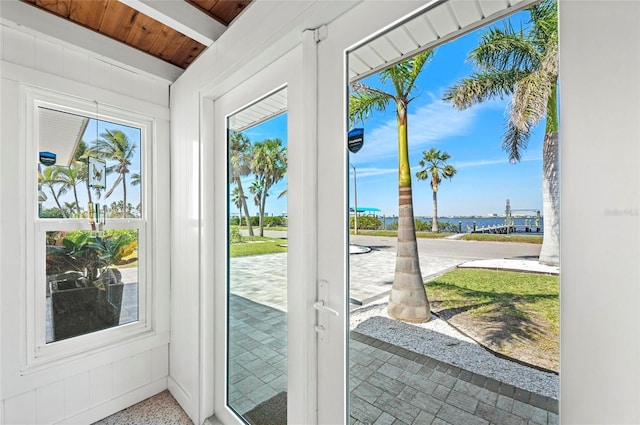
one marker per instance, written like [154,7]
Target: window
[90,166]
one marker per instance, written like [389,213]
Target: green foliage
[422,226]
[234,235]
[366,222]
[394,233]
[487,237]
[443,226]
[51,213]
[269,221]
[425,226]
[89,255]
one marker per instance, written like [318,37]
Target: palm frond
[405,74]
[504,49]
[364,100]
[530,98]
[482,86]
[515,141]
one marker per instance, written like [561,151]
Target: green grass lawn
[516,314]
[487,237]
[257,246]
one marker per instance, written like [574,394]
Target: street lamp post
[355,202]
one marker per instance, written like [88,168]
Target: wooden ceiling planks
[224,11]
[127,25]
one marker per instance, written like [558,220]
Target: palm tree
[115,145]
[70,177]
[523,64]
[240,151]
[49,178]
[434,163]
[408,300]
[236,199]
[80,156]
[136,179]
[269,166]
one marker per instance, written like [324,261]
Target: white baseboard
[212,420]
[184,400]
[117,404]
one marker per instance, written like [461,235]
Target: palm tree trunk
[434,220]
[550,251]
[55,198]
[124,195]
[244,206]
[75,195]
[408,299]
[263,202]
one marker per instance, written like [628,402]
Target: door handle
[319,305]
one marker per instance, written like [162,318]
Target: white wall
[103,381]
[267,31]
[600,201]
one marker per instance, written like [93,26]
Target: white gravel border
[439,340]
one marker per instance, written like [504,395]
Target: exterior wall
[97,383]
[600,223]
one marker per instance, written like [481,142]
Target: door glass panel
[257,261]
[424,305]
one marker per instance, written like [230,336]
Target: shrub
[270,221]
[366,222]
[235,236]
[422,226]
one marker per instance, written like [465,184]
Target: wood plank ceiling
[125,24]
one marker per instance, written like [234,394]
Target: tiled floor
[161,409]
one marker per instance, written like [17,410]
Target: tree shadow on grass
[496,319]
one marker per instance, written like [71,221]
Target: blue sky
[473,138]
[133,192]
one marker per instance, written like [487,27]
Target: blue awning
[365,209]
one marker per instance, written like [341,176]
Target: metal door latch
[319,305]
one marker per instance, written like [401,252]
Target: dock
[531,224]
[506,229]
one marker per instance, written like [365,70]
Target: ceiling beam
[182,17]
[37,20]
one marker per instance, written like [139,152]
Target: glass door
[267,314]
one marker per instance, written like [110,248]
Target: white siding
[103,382]
[600,202]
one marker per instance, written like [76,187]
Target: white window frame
[36,352]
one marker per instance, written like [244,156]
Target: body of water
[466,223]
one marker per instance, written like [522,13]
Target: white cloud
[431,122]
[484,162]
[374,171]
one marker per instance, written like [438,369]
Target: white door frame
[286,71]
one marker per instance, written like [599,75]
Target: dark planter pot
[78,308]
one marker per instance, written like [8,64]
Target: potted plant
[86,288]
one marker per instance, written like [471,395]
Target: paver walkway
[388,384]
[392,385]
